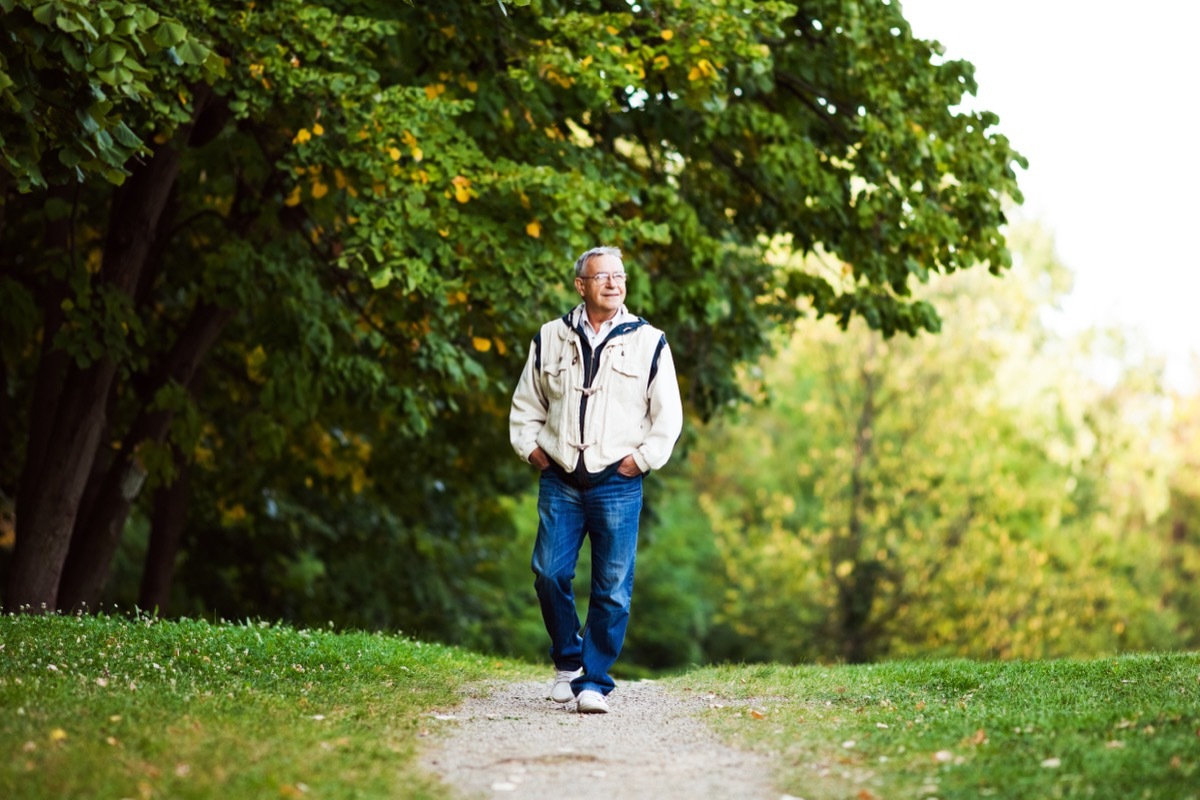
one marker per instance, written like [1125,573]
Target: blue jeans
[607,512]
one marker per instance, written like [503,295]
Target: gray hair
[582,262]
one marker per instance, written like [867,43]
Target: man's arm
[528,413]
[666,415]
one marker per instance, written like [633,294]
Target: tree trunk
[98,534]
[37,561]
[56,473]
[166,535]
[856,590]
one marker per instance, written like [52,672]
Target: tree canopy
[284,258]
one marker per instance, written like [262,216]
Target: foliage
[106,706]
[1111,728]
[974,494]
[77,79]
[314,287]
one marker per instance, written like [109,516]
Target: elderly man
[596,408]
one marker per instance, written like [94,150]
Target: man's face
[602,298]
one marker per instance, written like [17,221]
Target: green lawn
[109,707]
[106,707]
[1125,727]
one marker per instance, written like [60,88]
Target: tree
[974,494]
[244,229]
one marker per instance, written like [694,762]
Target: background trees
[269,269]
[985,492]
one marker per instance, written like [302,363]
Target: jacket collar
[575,317]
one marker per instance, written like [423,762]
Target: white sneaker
[592,702]
[561,691]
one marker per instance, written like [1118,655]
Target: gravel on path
[514,742]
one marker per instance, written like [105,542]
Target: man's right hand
[539,459]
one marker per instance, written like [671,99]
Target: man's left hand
[629,468]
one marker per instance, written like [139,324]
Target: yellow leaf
[302,136]
[534,229]
[293,199]
[394,152]
[448,31]
[319,190]
[612,30]
[703,69]
[417,154]
[668,35]
[661,62]
[254,362]
[481,344]
[472,87]
[339,178]
[462,188]
[434,89]
[57,735]
[444,233]
[318,129]
[500,347]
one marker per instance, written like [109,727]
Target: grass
[108,707]
[111,707]
[1126,727]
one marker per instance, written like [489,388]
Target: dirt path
[515,743]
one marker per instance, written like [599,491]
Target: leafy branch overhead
[375,203]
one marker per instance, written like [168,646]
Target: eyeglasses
[604,277]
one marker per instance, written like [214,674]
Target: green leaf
[192,52]
[126,137]
[169,34]
[73,57]
[45,13]
[68,25]
[108,53]
[90,126]
[145,18]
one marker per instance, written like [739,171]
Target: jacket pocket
[556,378]
[628,385]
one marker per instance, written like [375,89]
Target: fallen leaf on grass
[942,756]
[754,712]
[1115,744]
[1052,763]
[57,735]
[980,737]
[1176,762]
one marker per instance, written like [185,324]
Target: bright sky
[1101,97]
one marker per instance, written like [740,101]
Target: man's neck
[597,320]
